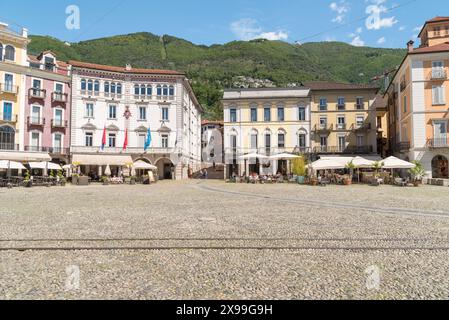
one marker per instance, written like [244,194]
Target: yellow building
[13,62]
[265,122]
[343,119]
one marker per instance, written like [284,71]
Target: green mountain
[212,68]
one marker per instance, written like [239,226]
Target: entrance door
[7,111]
[35,141]
[167,171]
[341,143]
[440,134]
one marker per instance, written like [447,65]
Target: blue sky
[360,22]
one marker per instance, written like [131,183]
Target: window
[37,84]
[89,110]
[341,143]
[10,53]
[267,143]
[57,143]
[165,114]
[165,91]
[171,91]
[97,86]
[253,114]
[35,141]
[89,139]
[323,141]
[7,111]
[149,90]
[302,114]
[58,120]
[233,115]
[83,84]
[143,90]
[341,103]
[379,122]
[341,122]
[438,71]
[267,114]
[36,115]
[90,85]
[281,140]
[360,121]
[254,142]
[142,113]
[438,95]
[159,90]
[136,89]
[405,104]
[1,52]
[436,31]
[49,64]
[323,104]
[360,105]
[360,139]
[7,138]
[113,87]
[59,88]
[106,87]
[281,113]
[112,112]
[302,140]
[141,140]
[164,141]
[112,139]
[323,122]
[9,82]
[119,88]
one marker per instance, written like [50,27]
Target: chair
[400,182]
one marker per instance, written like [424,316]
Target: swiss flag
[125,144]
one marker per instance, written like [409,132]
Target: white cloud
[357,42]
[249,29]
[341,9]
[382,40]
[402,28]
[375,21]
[359,30]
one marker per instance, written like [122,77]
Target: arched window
[1,52]
[171,91]
[106,87]
[83,84]
[142,90]
[90,85]
[159,90]
[113,87]
[165,91]
[97,86]
[149,90]
[119,88]
[10,53]
[136,89]
[7,138]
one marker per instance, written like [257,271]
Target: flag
[103,141]
[125,144]
[148,140]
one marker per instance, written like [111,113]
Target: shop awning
[101,160]
[25,156]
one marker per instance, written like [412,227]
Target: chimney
[25,32]
[128,67]
[410,45]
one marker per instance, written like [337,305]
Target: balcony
[341,126]
[360,106]
[341,107]
[361,127]
[57,150]
[343,150]
[58,123]
[59,97]
[402,146]
[142,97]
[9,146]
[119,150]
[438,143]
[438,74]
[36,149]
[165,98]
[9,119]
[323,127]
[36,93]
[9,88]
[36,121]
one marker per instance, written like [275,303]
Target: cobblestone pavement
[211,240]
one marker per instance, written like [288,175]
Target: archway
[440,167]
[7,138]
[165,169]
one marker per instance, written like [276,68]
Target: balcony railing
[9,88]
[436,143]
[165,98]
[361,127]
[117,150]
[36,121]
[343,150]
[438,74]
[9,146]
[37,93]
[141,97]
[8,118]
[341,126]
[402,146]
[323,127]
[58,123]
[359,106]
[341,106]
[59,97]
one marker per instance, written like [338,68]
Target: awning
[25,156]
[101,160]
[327,165]
[396,163]
[6,164]
[44,165]
[143,165]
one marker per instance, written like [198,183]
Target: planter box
[83,181]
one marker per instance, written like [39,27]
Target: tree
[299,167]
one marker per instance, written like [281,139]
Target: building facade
[417,101]
[47,107]
[343,119]
[267,122]
[13,62]
[117,111]
[212,142]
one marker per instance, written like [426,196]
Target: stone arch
[7,137]
[165,168]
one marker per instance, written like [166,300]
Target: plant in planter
[27,182]
[62,179]
[105,180]
[351,167]
[418,173]
[299,169]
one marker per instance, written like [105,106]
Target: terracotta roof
[86,65]
[323,85]
[35,59]
[206,122]
[442,47]
[434,20]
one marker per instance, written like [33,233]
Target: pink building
[47,107]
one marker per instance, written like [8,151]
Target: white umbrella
[45,165]
[143,165]
[253,156]
[284,156]
[11,165]
[395,163]
[327,165]
[67,167]
[108,172]
[360,162]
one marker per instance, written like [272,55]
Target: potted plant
[62,179]
[348,179]
[417,173]
[133,180]
[27,182]
[299,169]
[105,180]
[75,178]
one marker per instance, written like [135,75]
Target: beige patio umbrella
[107,171]
[285,156]
[10,165]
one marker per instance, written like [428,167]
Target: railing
[59,97]
[442,142]
[165,98]
[341,126]
[9,146]
[36,149]
[142,97]
[58,123]
[9,119]
[238,152]
[36,121]
[58,150]
[325,127]
[9,88]
[343,150]
[361,127]
[438,74]
[402,146]
[360,106]
[341,106]
[37,93]
[116,150]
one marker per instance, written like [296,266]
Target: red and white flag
[125,144]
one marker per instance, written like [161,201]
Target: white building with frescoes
[120,101]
